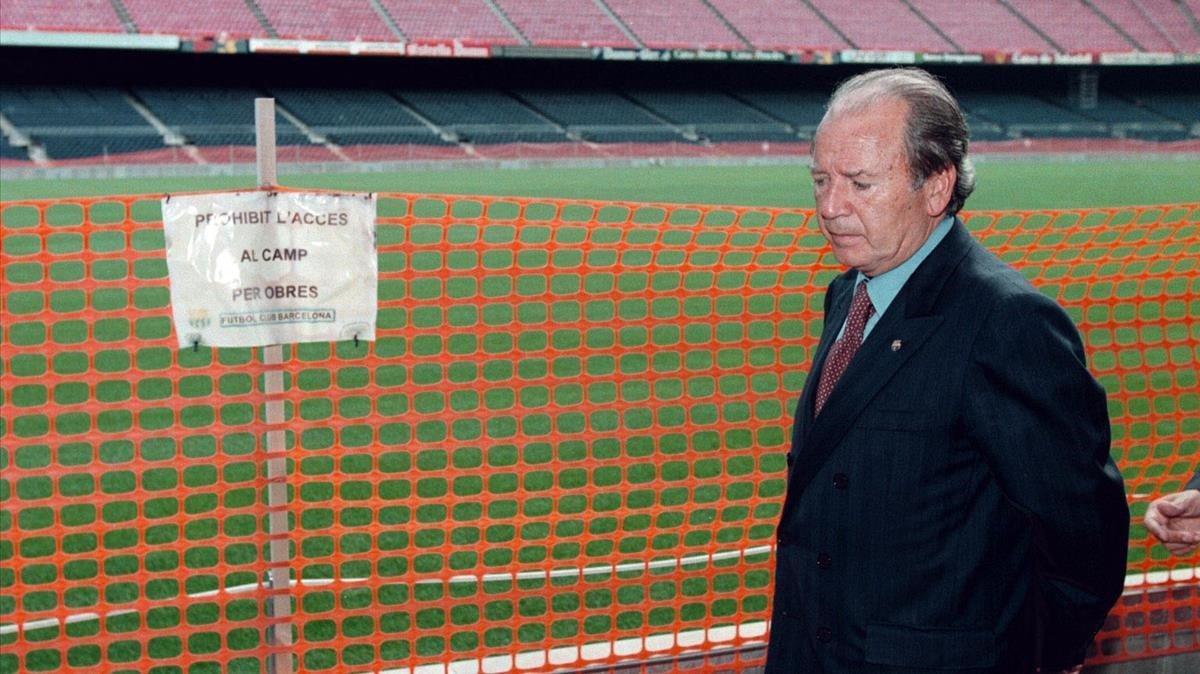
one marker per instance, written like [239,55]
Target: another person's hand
[1174,520]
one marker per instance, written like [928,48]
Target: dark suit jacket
[954,507]
[1194,483]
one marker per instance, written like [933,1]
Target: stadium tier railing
[566,448]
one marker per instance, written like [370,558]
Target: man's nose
[832,203]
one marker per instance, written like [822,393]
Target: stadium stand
[564,23]
[1129,16]
[1176,21]
[1118,111]
[468,20]
[600,116]
[483,116]
[68,107]
[800,109]
[683,24]
[981,25]
[575,108]
[1127,120]
[714,115]
[789,25]
[779,24]
[1181,106]
[327,19]
[333,124]
[1072,26]
[882,24]
[1029,116]
[12,152]
[331,108]
[355,116]
[71,146]
[212,115]
[75,122]
[213,18]
[49,15]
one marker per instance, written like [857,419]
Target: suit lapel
[911,319]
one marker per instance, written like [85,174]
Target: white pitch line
[1134,583]
[13,628]
[632,649]
[1137,582]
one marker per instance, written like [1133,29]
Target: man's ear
[938,188]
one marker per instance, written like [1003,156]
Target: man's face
[866,205]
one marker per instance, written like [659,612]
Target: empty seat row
[71,122]
[789,25]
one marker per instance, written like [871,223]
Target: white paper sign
[259,268]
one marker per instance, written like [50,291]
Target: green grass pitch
[1003,184]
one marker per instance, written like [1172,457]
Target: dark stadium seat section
[358,136]
[801,109]
[12,152]
[1181,107]
[95,145]
[600,116]
[104,122]
[71,122]
[1030,116]
[213,116]
[714,115]
[483,116]
[355,116]
[588,107]
[69,107]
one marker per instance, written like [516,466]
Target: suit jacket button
[841,481]
[824,635]
[824,561]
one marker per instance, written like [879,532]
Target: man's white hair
[935,129]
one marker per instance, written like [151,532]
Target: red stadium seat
[564,23]
[327,20]
[685,24]
[212,18]
[882,24]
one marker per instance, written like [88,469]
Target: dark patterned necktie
[844,349]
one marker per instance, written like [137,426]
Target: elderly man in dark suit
[951,503]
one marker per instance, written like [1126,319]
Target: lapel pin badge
[896,344]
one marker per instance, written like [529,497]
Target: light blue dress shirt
[883,288]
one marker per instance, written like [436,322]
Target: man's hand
[1174,519]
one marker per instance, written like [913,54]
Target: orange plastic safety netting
[565,449]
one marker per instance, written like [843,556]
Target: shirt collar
[884,288]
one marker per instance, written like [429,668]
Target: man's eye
[818,182]
[861,186]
